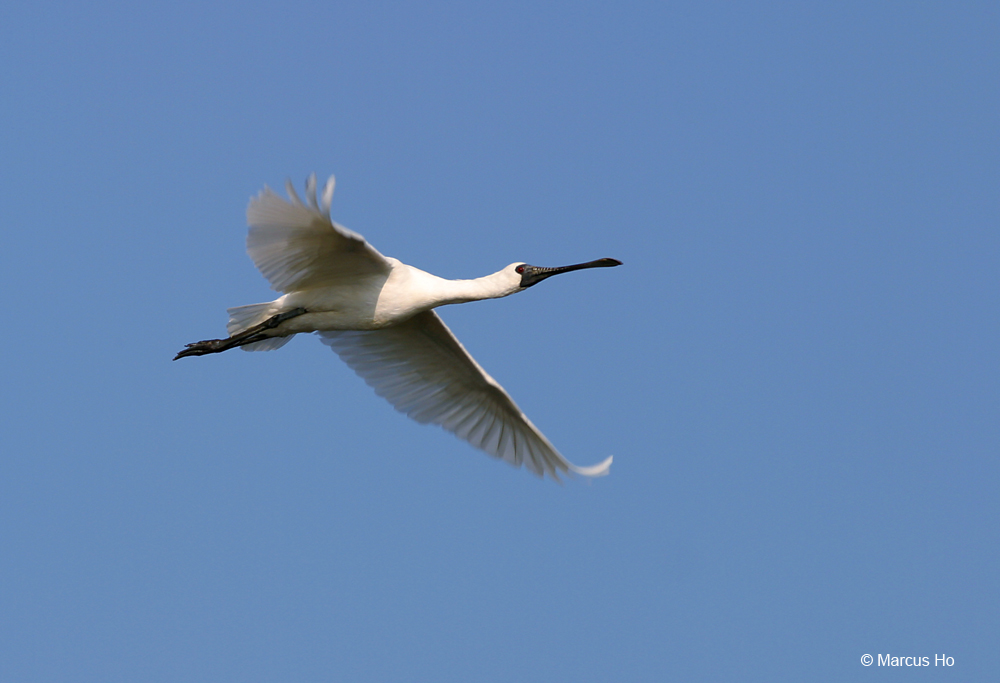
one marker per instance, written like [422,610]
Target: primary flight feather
[378,315]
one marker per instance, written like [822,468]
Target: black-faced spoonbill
[378,315]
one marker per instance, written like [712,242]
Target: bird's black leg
[247,336]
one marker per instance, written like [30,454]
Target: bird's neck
[410,291]
[461,291]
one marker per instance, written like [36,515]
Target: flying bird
[378,315]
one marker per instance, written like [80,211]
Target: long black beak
[532,275]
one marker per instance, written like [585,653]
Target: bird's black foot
[203,347]
[247,336]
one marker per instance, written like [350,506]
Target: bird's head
[532,275]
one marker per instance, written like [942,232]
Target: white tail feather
[245,317]
[242,317]
[268,344]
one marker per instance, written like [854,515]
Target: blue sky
[795,369]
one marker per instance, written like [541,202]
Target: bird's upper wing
[422,369]
[296,245]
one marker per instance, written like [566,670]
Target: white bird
[378,315]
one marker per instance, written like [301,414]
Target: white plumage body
[377,314]
[376,301]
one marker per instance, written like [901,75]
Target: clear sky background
[796,369]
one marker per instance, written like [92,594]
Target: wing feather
[296,246]
[423,371]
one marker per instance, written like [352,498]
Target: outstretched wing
[296,245]
[422,369]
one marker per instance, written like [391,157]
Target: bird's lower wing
[422,369]
[295,245]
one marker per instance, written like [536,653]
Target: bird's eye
[520,269]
